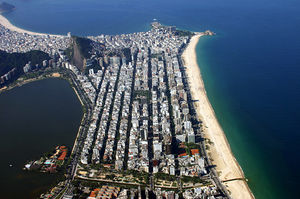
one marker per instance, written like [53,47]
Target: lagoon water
[250,69]
[34,119]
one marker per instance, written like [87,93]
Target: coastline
[220,152]
[6,23]
[26,81]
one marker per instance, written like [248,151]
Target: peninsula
[148,128]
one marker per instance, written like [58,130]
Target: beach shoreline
[6,23]
[220,152]
[26,81]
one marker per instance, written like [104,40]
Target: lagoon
[34,118]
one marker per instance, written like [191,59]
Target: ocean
[250,68]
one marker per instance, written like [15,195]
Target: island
[148,128]
[6,7]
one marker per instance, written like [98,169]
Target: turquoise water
[240,128]
[250,69]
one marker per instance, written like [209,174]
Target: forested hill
[11,64]
[79,50]
[9,61]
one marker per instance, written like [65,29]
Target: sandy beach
[4,22]
[219,151]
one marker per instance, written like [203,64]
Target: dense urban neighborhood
[140,136]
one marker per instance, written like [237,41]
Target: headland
[6,7]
